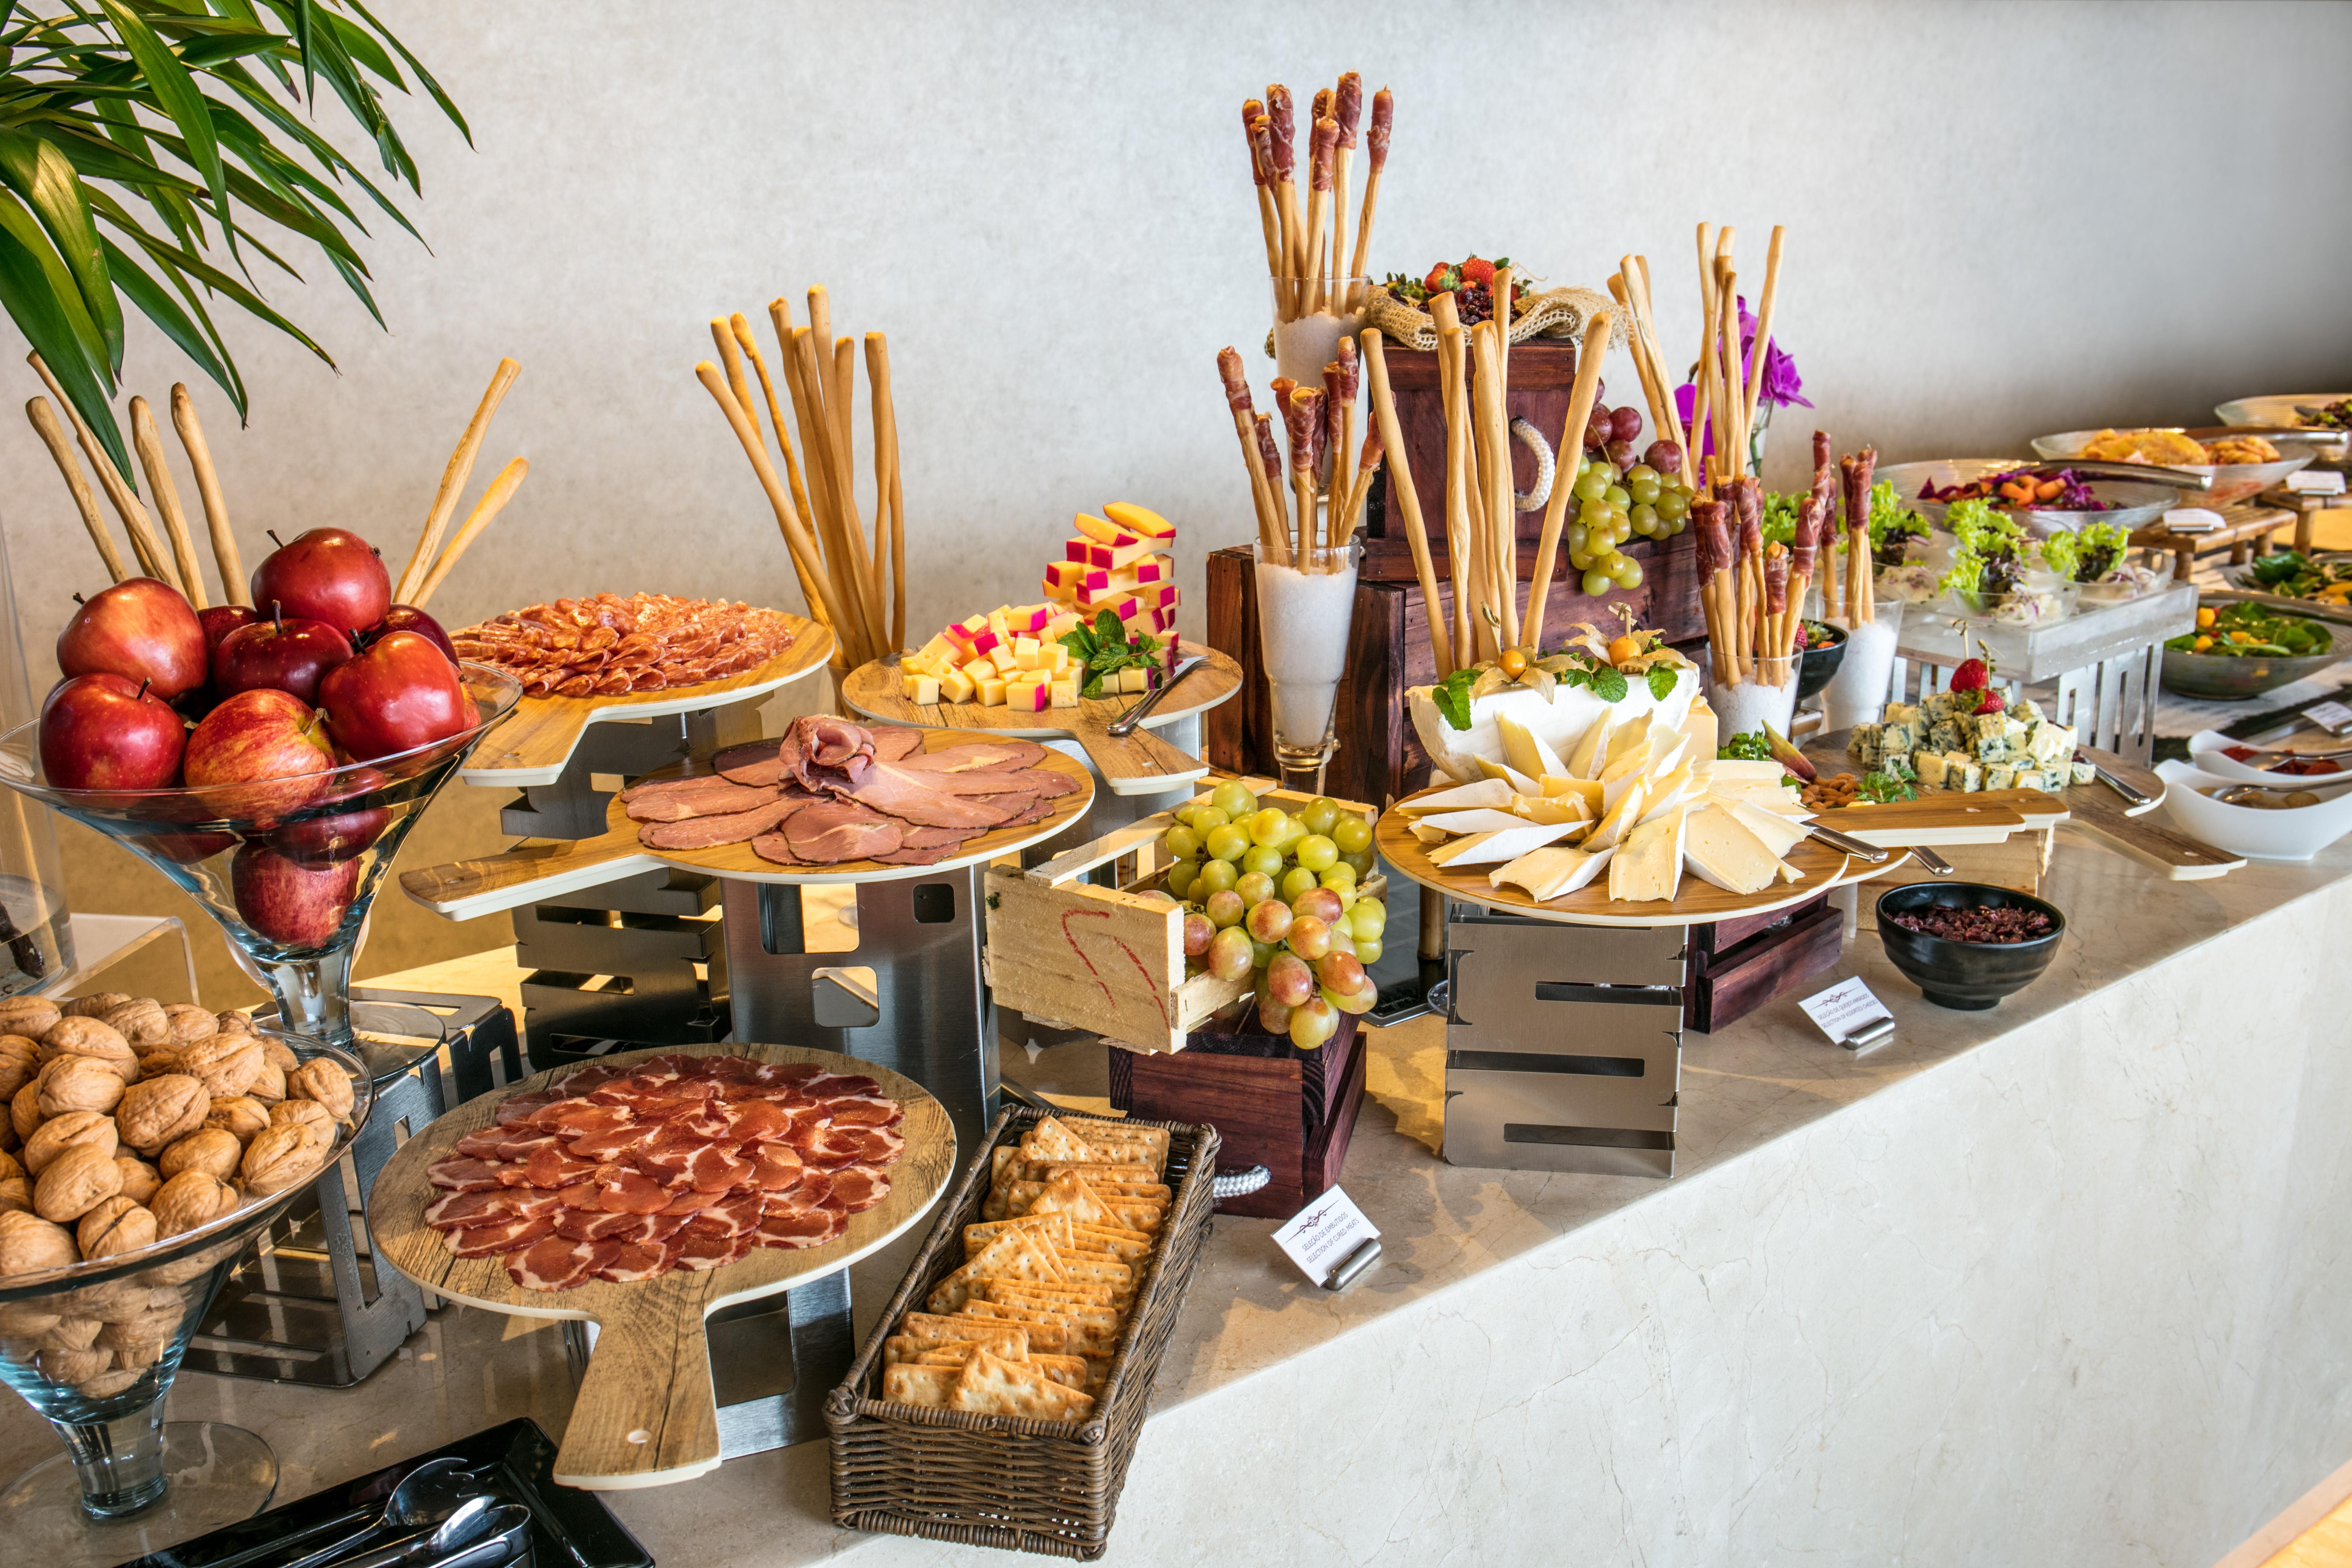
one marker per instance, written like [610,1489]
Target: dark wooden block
[1292,1111]
[1730,978]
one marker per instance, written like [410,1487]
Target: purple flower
[1782,383]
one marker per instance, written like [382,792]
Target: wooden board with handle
[536,741]
[539,868]
[646,1413]
[1140,763]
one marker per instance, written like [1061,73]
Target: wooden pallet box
[1736,966]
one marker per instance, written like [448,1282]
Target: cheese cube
[1961,773]
[991,694]
[1899,736]
[1054,658]
[1992,749]
[1865,741]
[2000,776]
[1140,519]
[1164,618]
[1103,532]
[1153,569]
[1154,596]
[1134,679]
[1028,620]
[959,640]
[1060,627]
[1932,768]
[1899,712]
[1024,653]
[958,687]
[2083,772]
[982,668]
[1897,765]
[1074,577]
[1025,696]
[1944,735]
[976,624]
[939,647]
[1108,557]
[920,689]
[1093,604]
[2028,712]
[1065,693]
[2050,743]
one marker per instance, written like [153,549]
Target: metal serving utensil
[2133,794]
[466,1523]
[1124,725]
[1846,843]
[424,1496]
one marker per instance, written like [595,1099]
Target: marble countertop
[1249,1311]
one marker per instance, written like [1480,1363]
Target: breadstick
[1376,150]
[53,436]
[1269,457]
[1402,497]
[797,539]
[148,442]
[143,544]
[493,501]
[1237,400]
[1502,519]
[200,458]
[453,475]
[749,345]
[1261,176]
[1318,197]
[1764,324]
[1572,441]
[890,561]
[1346,109]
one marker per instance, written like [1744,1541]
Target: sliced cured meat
[513,1148]
[554,1169]
[676,800]
[716,1168]
[744,1208]
[788,1073]
[458,1173]
[988,755]
[594,1225]
[630,1193]
[632,1261]
[858,1188]
[890,788]
[696,1253]
[934,838]
[891,742]
[833,831]
[862,1112]
[482,1145]
[808,1227]
[778,1168]
[612,1145]
[758,1121]
[584,1194]
[829,742]
[708,832]
[690,1204]
[760,762]
[517,1108]
[464,1211]
[553,1264]
[904,856]
[842,1086]
[776,847]
[875,1145]
[568,1118]
[486,1241]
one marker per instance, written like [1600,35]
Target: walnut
[142,1022]
[9,1142]
[9,1167]
[74,1366]
[190,1199]
[157,1111]
[212,1149]
[190,1023]
[70,1333]
[23,1320]
[16,1194]
[97,1005]
[78,1083]
[158,1062]
[79,1036]
[75,1182]
[74,1130]
[268,1084]
[322,1080]
[305,1111]
[114,1225]
[284,1155]
[239,1116]
[20,1058]
[24,1111]
[31,1245]
[30,1016]
[145,1327]
[234,1022]
[278,1054]
[226,1063]
[139,1178]
[108,1385]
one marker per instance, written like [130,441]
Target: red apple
[292,904]
[259,755]
[187,849]
[141,630]
[222,619]
[319,841]
[328,574]
[394,696]
[289,656]
[409,618]
[101,732]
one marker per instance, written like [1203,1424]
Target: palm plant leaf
[161,100]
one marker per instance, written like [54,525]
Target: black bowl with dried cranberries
[1965,945]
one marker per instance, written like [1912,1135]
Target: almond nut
[28,1015]
[284,1155]
[97,1005]
[190,1023]
[155,1111]
[238,1115]
[87,1037]
[20,1058]
[141,1021]
[75,1182]
[226,1063]
[139,1178]
[211,1150]
[74,1130]
[31,1245]
[319,1080]
[190,1199]
[78,1083]
[114,1225]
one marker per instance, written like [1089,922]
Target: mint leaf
[1452,696]
[1608,684]
[1662,682]
[1109,629]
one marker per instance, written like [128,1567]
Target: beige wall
[2003,220]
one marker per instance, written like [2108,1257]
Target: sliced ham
[557,1263]
[487,1241]
[808,1227]
[483,1146]
[697,1253]
[632,1261]
[709,832]
[676,800]
[776,847]
[987,755]
[823,1085]
[516,1109]
[596,1147]
[863,1111]
[892,789]
[833,832]
[465,1211]
[758,1121]
[859,1187]
[903,857]
[459,1175]
[760,762]
[892,743]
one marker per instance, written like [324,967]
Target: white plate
[2294,835]
[2205,749]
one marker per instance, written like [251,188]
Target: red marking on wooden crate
[1094,974]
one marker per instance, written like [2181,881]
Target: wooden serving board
[539,736]
[2091,808]
[1695,902]
[1141,763]
[539,868]
[646,1415]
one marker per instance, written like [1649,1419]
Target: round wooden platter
[1141,763]
[646,1413]
[1695,901]
[539,868]
[538,737]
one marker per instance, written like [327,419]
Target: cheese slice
[1649,864]
[1668,747]
[1586,790]
[1484,819]
[1461,798]
[1552,808]
[1552,873]
[1628,769]
[1526,751]
[1677,789]
[1493,848]
[1586,758]
[1743,770]
[1430,835]
[1719,850]
[1631,731]
[1519,783]
[1622,816]
[1776,832]
[1700,725]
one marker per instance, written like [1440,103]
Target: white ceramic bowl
[2251,831]
[2205,751]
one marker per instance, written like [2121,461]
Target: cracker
[1126,1245]
[987,1386]
[1043,1323]
[911,1348]
[933,1386]
[1000,1158]
[1093,1172]
[1069,1194]
[1069,1371]
[1051,1339]
[1143,1216]
[1083,1295]
[1103,1321]
[1050,1139]
[1015,1254]
[1024,1195]
[1093,1270]
[931,1328]
[1055,1228]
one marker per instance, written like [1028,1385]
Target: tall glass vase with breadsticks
[1318,282]
[853,577]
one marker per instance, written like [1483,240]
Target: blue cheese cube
[1963,774]
[2049,780]
[2014,730]
[1897,765]
[1944,735]
[2051,743]
[2083,773]
[1931,767]
[1991,749]
[1900,737]
[1900,712]
[2000,776]
[1864,743]
[1940,704]
[2028,712]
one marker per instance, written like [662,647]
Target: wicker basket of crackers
[999,1400]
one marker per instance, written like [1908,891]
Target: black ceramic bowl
[1965,975]
[1819,666]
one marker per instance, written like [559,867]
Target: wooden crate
[1380,758]
[1736,966]
[1272,1104]
[1106,960]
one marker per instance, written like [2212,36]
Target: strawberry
[1989,701]
[1971,676]
[1440,278]
[1481,273]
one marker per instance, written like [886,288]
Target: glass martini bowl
[289,867]
[93,1349]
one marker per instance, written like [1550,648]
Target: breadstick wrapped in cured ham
[1321,150]
[1711,532]
[1376,154]
[1342,378]
[1303,421]
[1263,495]
[1261,176]
[1804,547]
[1347,111]
[1774,648]
[1855,474]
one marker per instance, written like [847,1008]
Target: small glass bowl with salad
[2241,648]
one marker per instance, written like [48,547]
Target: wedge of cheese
[1701,727]
[1586,790]
[1562,715]
[1552,808]
[1719,850]
[1140,519]
[1493,848]
[1552,873]
[1528,752]
[1649,864]
[1776,832]
[1520,783]
[1625,768]
[1462,798]
[1622,816]
[1482,819]
[1591,753]
[1671,793]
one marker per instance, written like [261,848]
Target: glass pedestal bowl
[93,1349]
[287,867]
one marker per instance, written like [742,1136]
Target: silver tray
[2131,503]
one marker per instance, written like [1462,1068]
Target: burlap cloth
[1553,313]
